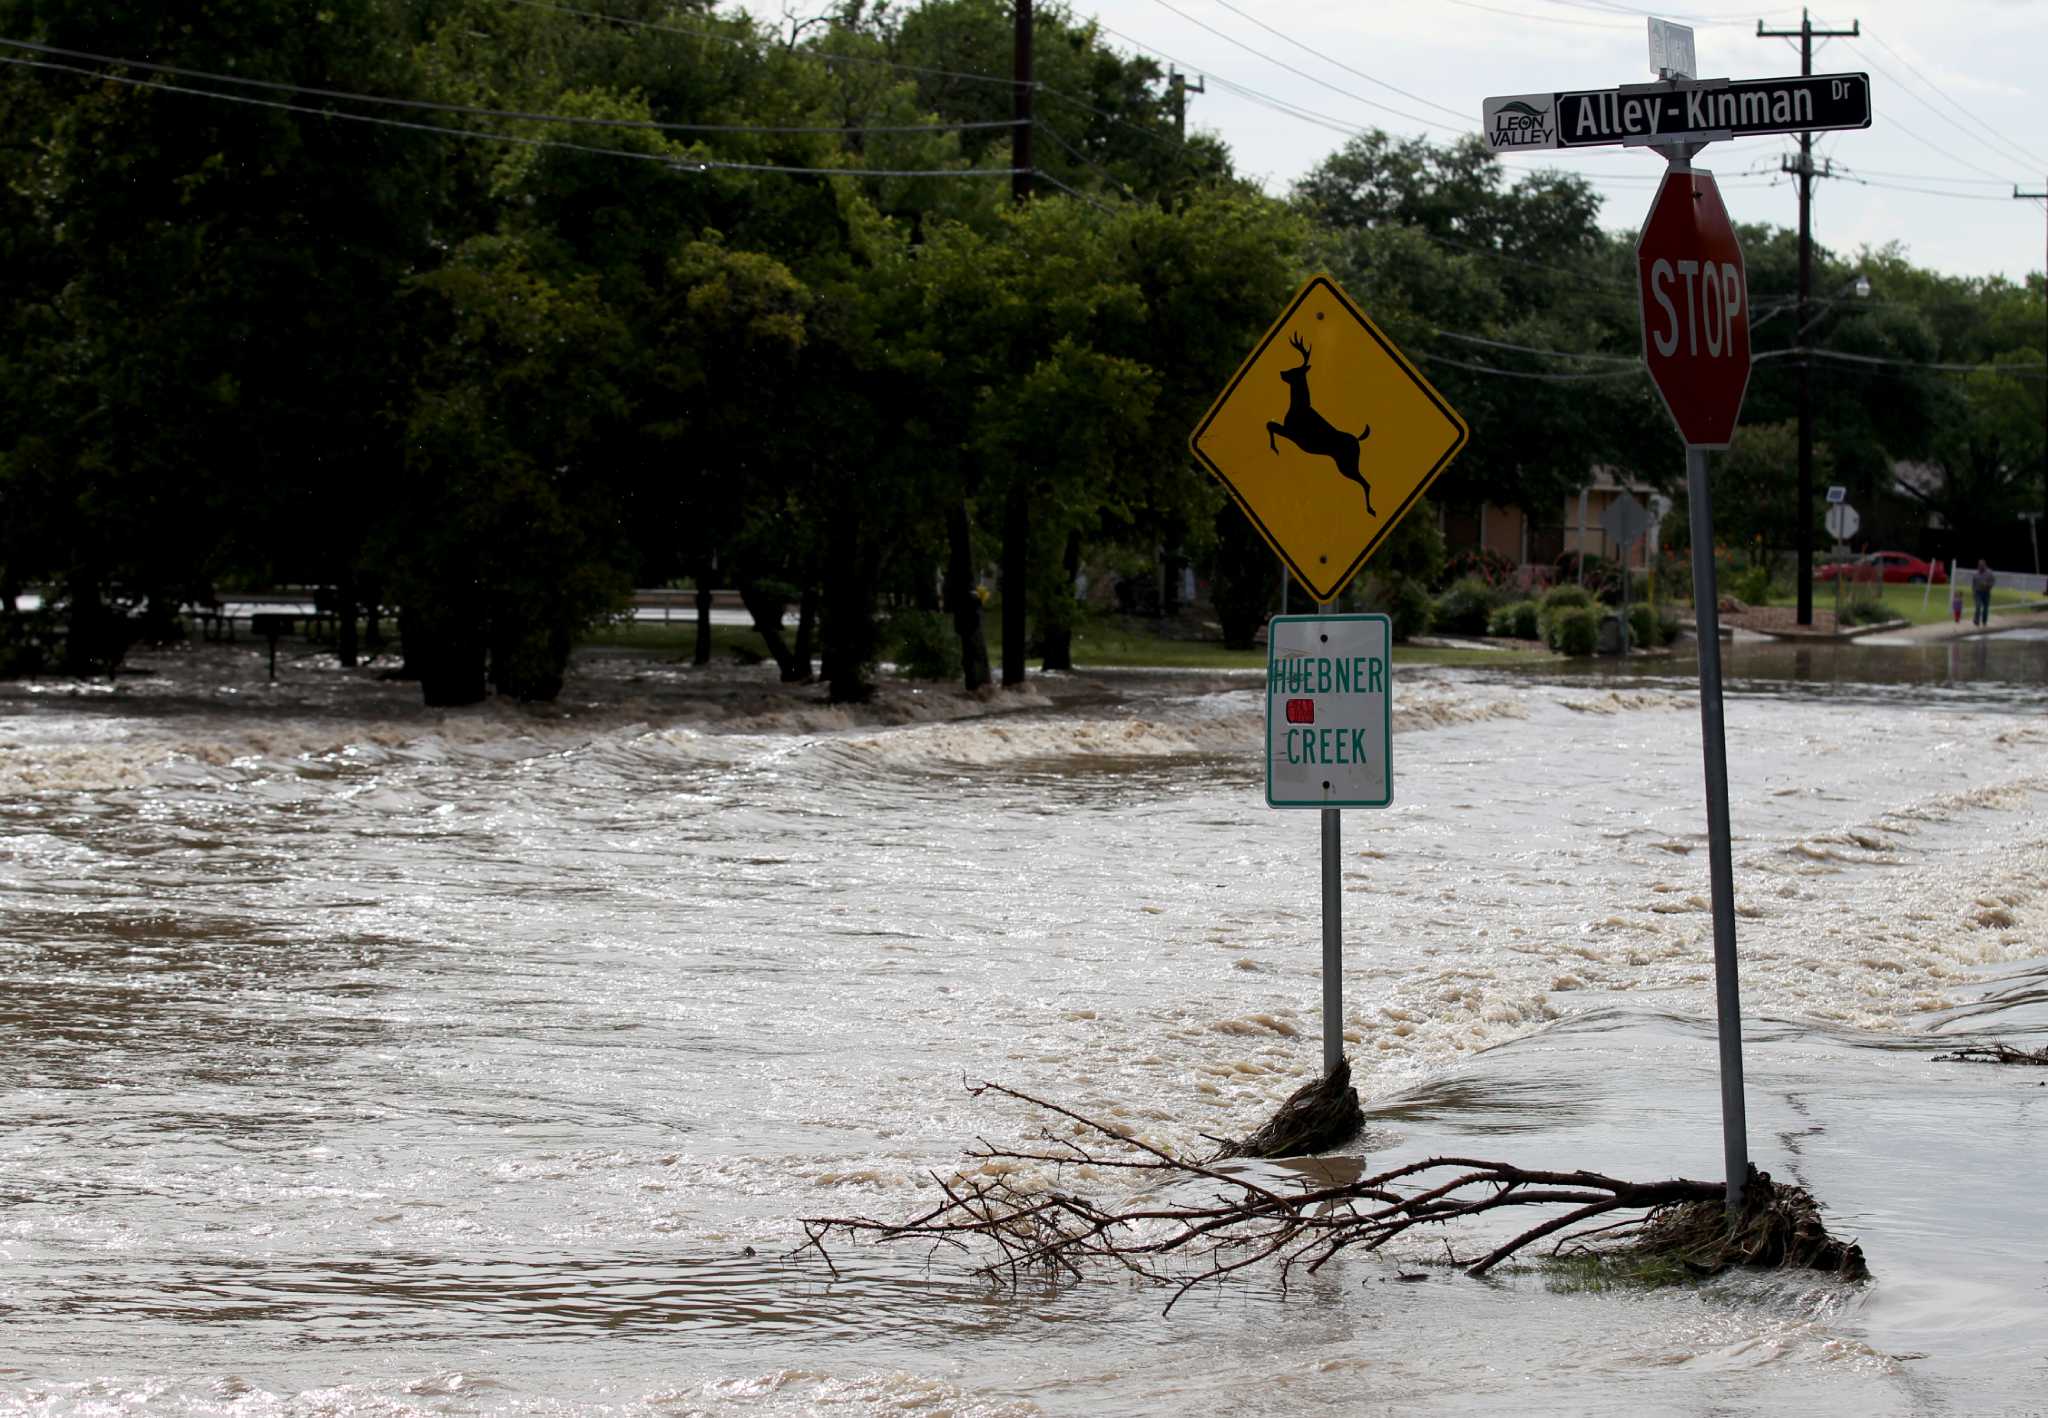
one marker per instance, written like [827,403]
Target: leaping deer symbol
[1311,432]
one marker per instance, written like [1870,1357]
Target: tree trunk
[850,639]
[94,636]
[961,600]
[373,614]
[1060,610]
[345,626]
[766,609]
[1242,585]
[806,627]
[1015,582]
[447,651]
[702,654]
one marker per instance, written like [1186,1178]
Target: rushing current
[362,1059]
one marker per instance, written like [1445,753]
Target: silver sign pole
[1714,745]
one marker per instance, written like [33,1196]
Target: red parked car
[1893,566]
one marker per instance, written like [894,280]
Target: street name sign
[1667,113]
[1327,436]
[1329,711]
[1695,301]
[1671,51]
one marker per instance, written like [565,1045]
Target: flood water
[365,1059]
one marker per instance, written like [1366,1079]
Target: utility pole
[2041,196]
[1017,505]
[1181,88]
[1020,136]
[1806,34]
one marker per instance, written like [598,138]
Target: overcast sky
[1958,97]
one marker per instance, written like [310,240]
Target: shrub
[1597,573]
[1410,605]
[1643,626]
[1520,620]
[1667,625]
[926,645]
[1559,598]
[1574,630]
[1751,585]
[1499,572]
[1465,607]
[1862,612]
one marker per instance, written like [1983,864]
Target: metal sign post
[1333,926]
[1326,437]
[1689,259]
[1709,392]
[1329,746]
[1720,865]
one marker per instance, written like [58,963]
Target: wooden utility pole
[1806,34]
[1020,136]
[1016,504]
[2041,196]
[1181,88]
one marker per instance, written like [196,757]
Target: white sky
[1958,96]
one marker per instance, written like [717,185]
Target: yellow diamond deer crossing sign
[1327,436]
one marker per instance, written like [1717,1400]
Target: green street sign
[1329,711]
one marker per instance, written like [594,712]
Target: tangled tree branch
[1996,1054]
[1196,1223]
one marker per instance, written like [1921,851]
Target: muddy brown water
[362,1059]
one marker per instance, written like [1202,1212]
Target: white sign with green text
[1329,711]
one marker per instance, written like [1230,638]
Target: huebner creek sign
[1329,711]
[1647,113]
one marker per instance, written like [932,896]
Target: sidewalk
[2033,616]
[1757,623]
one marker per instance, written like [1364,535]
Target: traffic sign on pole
[1663,113]
[1327,436]
[1329,711]
[1695,302]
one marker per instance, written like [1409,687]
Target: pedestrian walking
[1955,602]
[1980,589]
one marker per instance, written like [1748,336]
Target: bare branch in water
[1226,1222]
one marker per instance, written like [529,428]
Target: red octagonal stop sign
[1695,308]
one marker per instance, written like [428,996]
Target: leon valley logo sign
[1327,436]
[1525,122]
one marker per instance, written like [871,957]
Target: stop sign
[1695,307]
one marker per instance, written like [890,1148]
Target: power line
[1847,176]
[1930,177]
[467,110]
[1527,15]
[733,39]
[1459,114]
[1549,377]
[1634,361]
[1164,138]
[2001,139]
[1945,367]
[1078,156]
[1907,89]
[1075,192]
[672,161]
[1304,74]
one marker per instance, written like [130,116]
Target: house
[1535,541]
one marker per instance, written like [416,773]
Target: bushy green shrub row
[1566,618]
[1572,630]
[1517,620]
[1466,605]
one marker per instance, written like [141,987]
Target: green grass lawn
[1905,602]
[1102,644]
